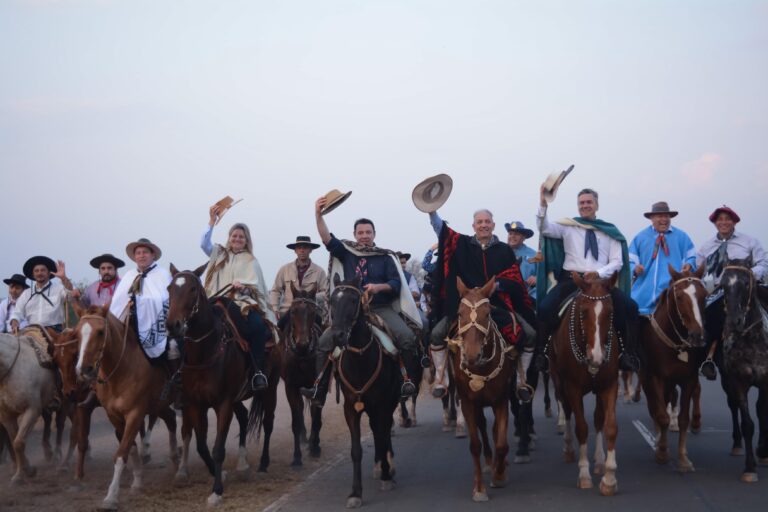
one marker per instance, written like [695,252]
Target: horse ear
[460,286]
[199,270]
[674,274]
[488,287]
[77,306]
[700,271]
[356,281]
[174,270]
[336,280]
[104,310]
[313,290]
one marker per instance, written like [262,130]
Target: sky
[121,120]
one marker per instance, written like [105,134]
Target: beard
[108,278]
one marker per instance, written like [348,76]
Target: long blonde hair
[226,250]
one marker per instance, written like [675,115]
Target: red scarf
[660,241]
[110,287]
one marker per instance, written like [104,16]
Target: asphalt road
[434,471]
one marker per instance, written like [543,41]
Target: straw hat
[432,193]
[333,200]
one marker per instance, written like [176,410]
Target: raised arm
[322,227]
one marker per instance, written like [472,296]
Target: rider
[591,247]
[652,250]
[16,284]
[304,274]
[100,292]
[44,302]
[517,234]
[476,259]
[235,265]
[381,279]
[727,244]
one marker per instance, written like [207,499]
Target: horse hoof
[377,472]
[521,459]
[447,428]
[749,478]
[31,472]
[214,500]
[16,481]
[674,428]
[314,452]
[532,444]
[599,469]
[108,505]
[461,432]
[569,457]
[560,430]
[387,485]
[62,469]
[181,478]
[498,483]
[607,490]
[479,496]
[661,458]
[146,458]
[737,451]
[548,412]
[585,483]
[696,430]
[354,502]
[685,468]
[296,463]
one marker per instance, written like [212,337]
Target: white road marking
[645,433]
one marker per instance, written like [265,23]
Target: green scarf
[554,256]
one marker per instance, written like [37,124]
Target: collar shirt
[42,306]
[740,246]
[527,269]
[96,295]
[281,296]
[654,254]
[574,237]
[7,306]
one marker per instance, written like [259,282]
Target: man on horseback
[517,234]
[100,292]
[381,280]
[727,244]
[591,247]
[304,274]
[476,259]
[16,284]
[44,302]
[652,250]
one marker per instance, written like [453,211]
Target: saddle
[238,335]
[383,335]
[41,342]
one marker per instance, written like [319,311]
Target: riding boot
[524,391]
[319,390]
[408,368]
[628,360]
[439,357]
[541,360]
[259,381]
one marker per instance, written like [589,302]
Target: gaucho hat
[143,242]
[38,260]
[17,279]
[660,207]
[305,241]
[333,200]
[432,193]
[107,258]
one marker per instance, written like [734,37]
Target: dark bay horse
[584,354]
[745,357]
[370,381]
[672,349]
[215,374]
[127,386]
[483,372]
[298,367]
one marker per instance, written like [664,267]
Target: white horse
[25,388]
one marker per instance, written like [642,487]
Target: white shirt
[740,247]
[35,309]
[608,250]
[6,310]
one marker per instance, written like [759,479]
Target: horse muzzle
[86,374]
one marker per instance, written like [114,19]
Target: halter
[313,330]
[683,345]
[580,356]
[195,310]
[97,366]
[749,294]
[61,346]
[360,294]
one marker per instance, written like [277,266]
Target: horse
[632,392]
[584,356]
[26,387]
[128,386]
[672,349]
[483,371]
[745,357]
[298,367]
[370,381]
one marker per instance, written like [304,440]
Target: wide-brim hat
[35,261]
[107,258]
[660,207]
[401,255]
[518,227]
[553,182]
[305,241]
[143,242]
[333,200]
[17,279]
[724,209]
[432,193]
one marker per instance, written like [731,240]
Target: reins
[578,354]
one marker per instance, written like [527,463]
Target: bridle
[195,310]
[683,344]
[100,357]
[292,343]
[578,354]
[358,308]
[750,293]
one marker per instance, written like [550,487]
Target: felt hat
[518,227]
[107,258]
[305,241]
[17,279]
[724,209]
[34,261]
[660,207]
[432,193]
[143,242]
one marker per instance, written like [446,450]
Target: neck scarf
[42,293]
[110,287]
[661,241]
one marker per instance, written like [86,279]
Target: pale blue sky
[127,119]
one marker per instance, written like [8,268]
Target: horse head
[347,303]
[593,308]
[474,320]
[689,296]
[65,354]
[92,332]
[739,294]
[303,312]
[186,294]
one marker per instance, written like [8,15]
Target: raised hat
[432,193]
[32,262]
[17,279]
[724,209]
[303,240]
[143,242]
[552,183]
[518,227]
[333,200]
[108,258]
[225,204]
[660,207]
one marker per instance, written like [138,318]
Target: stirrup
[708,369]
[259,381]
[407,390]
[629,362]
[425,361]
[524,392]
[439,392]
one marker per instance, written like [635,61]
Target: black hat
[401,255]
[303,240]
[38,260]
[518,227]
[17,279]
[107,258]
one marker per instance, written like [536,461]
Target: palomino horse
[483,373]
[745,357]
[584,357]
[370,381]
[215,374]
[25,389]
[672,350]
[298,367]
[127,386]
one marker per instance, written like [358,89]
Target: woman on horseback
[235,266]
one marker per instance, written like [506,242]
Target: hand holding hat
[432,193]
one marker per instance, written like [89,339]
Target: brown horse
[483,373]
[672,350]
[298,367]
[127,386]
[215,374]
[584,358]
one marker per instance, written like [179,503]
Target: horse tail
[256,415]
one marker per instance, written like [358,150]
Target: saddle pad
[40,341]
[385,341]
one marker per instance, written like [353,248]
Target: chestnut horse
[483,371]
[215,374]
[672,349]
[298,367]
[127,386]
[584,354]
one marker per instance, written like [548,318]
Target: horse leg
[674,410]
[199,422]
[638,388]
[471,415]
[381,426]
[461,423]
[169,418]
[224,415]
[127,434]
[412,411]
[608,484]
[314,438]
[657,408]
[500,425]
[72,439]
[522,455]
[626,377]
[762,418]
[564,413]
[684,464]
[747,429]
[268,423]
[182,472]
[47,420]
[696,417]
[562,427]
[547,399]
[737,447]
[61,419]
[296,403]
[146,440]
[582,431]
[83,422]
[355,499]
[241,414]
[446,412]
[26,421]
[599,419]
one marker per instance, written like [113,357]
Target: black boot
[628,360]
[319,390]
[259,381]
[540,357]
[408,389]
